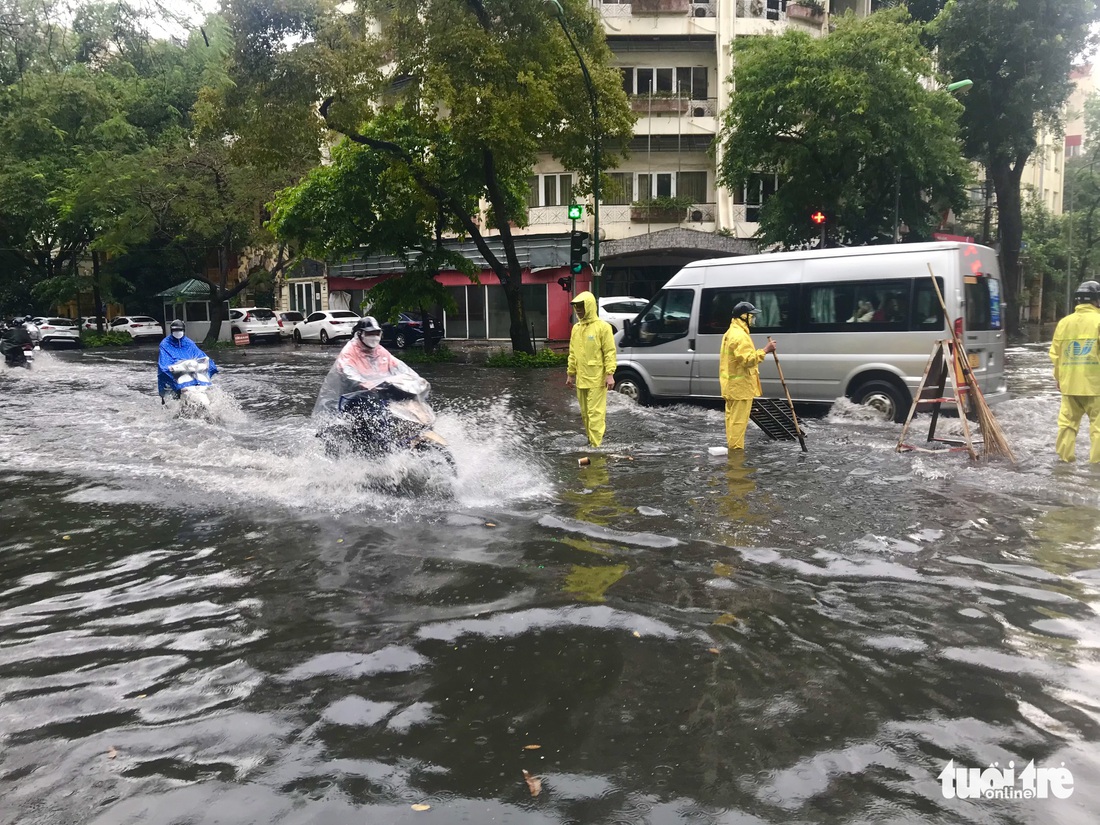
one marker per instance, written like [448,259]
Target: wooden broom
[994,441]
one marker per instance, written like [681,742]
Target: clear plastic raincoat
[358,367]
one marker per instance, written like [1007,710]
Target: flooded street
[217,623]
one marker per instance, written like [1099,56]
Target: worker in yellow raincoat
[591,365]
[1075,352]
[739,372]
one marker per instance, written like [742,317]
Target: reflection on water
[210,623]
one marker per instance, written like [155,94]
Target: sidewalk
[476,351]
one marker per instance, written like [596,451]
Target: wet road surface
[217,623]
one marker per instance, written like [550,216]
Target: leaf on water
[713,650]
[726,618]
[141,696]
[66,538]
[531,747]
[249,558]
[489,524]
[339,541]
[637,634]
[112,753]
[722,569]
[534,784]
[420,806]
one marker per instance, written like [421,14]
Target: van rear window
[983,303]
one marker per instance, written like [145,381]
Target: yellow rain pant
[593,413]
[1069,421]
[737,421]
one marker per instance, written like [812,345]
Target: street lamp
[595,151]
[957,86]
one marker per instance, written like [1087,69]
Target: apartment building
[674,56]
[664,207]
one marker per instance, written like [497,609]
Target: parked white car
[138,327]
[258,323]
[325,326]
[287,322]
[88,322]
[58,330]
[616,309]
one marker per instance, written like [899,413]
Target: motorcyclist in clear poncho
[397,401]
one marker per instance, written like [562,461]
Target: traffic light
[818,218]
[578,251]
[574,212]
[566,282]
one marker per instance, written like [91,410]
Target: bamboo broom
[994,441]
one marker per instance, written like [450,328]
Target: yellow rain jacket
[1075,352]
[739,363]
[591,346]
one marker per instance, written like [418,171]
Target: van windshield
[983,303]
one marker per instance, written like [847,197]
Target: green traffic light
[574,212]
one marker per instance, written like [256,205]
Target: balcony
[652,18]
[668,7]
[659,105]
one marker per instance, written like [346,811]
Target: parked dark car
[409,331]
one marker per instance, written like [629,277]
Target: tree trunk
[218,297]
[429,341]
[96,297]
[1006,182]
[517,328]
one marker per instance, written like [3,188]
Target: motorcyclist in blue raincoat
[176,347]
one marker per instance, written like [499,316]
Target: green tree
[846,130]
[360,202]
[459,98]
[1019,55]
[1044,256]
[1082,199]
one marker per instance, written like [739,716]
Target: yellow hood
[588,301]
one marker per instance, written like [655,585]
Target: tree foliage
[848,125]
[1019,55]
[1082,199]
[459,99]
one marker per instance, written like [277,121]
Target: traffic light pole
[597,268]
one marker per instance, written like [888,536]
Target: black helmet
[1088,291]
[744,308]
[29,319]
[366,324]
[177,324]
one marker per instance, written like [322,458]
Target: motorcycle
[192,375]
[391,417]
[19,355]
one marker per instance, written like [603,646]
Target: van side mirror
[627,330]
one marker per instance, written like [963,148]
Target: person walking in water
[591,365]
[1075,352]
[739,372]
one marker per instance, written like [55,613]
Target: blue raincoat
[172,351]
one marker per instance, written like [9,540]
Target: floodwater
[217,623]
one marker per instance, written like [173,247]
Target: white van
[856,322]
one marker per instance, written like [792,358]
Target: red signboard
[241,339]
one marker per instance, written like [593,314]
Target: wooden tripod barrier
[944,363]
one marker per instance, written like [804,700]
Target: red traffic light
[818,217]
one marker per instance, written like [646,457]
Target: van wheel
[630,384]
[884,397]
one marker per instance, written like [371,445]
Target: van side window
[858,306]
[927,312]
[774,304]
[666,318]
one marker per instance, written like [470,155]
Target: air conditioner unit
[698,111]
[697,215]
